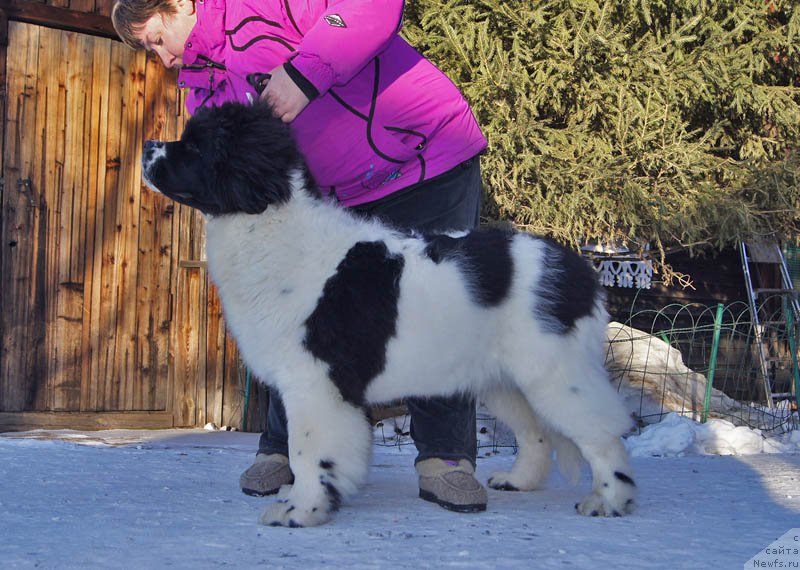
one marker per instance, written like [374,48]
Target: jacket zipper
[209,64]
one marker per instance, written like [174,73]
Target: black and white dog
[338,311]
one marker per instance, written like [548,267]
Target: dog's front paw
[502,481]
[596,505]
[287,513]
[507,481]
[614,498]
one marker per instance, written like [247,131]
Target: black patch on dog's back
[484,257]
[567,290]
[356,316]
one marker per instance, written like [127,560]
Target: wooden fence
[107,317]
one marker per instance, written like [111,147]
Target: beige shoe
[267,475]
[451,485]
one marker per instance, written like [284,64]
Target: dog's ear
[253,156]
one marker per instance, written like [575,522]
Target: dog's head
[230,159]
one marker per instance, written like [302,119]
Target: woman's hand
[285,97]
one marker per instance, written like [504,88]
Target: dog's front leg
[329,444]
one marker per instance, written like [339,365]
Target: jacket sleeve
[340,37]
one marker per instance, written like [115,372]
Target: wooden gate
[107,318]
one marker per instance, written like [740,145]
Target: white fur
[271,268]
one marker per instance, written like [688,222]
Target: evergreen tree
[673,121]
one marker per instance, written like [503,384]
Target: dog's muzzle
[152,151]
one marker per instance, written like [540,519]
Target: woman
[382,130]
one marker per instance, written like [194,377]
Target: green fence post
[712,363]
[789,311]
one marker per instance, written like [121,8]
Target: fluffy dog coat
[338,311]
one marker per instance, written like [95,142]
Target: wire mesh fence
[695,360]
[703,362]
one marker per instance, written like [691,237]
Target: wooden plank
[14,246]
[230,380]
[187,349]
[98,132]
[173,126]
[52,71]
[215,357]
[72,192]
[108,391]
[43,199]
[19,388]
[83,6]
[6,247]
[81,91]
[117,365]
[199,313]
[39,226]
[234,387]
[174,120]
[127,369]
[155,251]
[103,8]
[118,296]
[3,99]
[84,421]
[187,237]
[257,410]
[3,38]
[58,4]
[763,251]
[84,96]
[59,17]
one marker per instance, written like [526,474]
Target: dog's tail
[568,456]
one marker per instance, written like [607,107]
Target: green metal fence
[716,345]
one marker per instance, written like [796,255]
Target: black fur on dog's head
[233,158]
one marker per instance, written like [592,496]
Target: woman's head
[159,26]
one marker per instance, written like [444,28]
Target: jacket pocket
[395,144]
[393,148]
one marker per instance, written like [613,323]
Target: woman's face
[166,35]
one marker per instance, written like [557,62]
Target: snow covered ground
[170,499]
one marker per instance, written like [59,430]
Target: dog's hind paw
[286,513]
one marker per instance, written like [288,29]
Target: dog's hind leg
[329,444]
[534,457]
[578,402]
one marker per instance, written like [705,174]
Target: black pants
[440,427]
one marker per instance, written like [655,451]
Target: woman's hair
[129,16]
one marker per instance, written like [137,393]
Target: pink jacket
[381,116]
